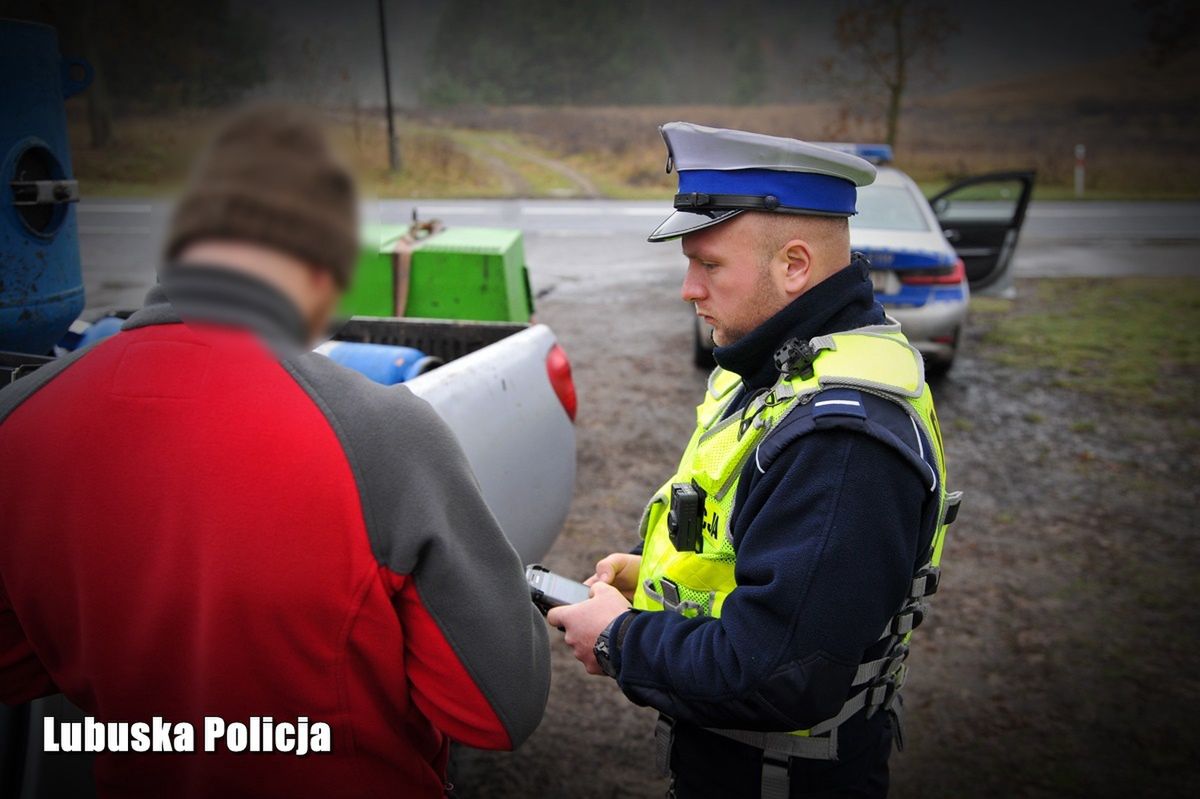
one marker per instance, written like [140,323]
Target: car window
[992,201]
[888,208]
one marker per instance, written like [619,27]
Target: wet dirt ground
[1061,655]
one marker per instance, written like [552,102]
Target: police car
[926,255]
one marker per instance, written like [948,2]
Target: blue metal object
[382,363]
[875,153]
[41,286]
[100,330]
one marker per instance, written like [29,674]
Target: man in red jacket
[251,534]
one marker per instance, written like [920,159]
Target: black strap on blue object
[699,202]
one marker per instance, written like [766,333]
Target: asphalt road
[589,245]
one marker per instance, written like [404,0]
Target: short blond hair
[829,235]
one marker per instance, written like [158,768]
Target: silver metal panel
[515,433]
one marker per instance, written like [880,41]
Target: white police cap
[725,172]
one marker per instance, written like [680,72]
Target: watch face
[600,650]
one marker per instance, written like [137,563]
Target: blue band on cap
[806,190]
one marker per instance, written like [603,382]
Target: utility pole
[393,146]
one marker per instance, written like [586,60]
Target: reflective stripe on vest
[877,360]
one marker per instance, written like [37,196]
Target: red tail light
[559,369]
[945,275]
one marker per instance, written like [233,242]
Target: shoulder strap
[721,382]
[872,358]
[886,420]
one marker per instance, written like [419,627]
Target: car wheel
[938,367]
[702,354]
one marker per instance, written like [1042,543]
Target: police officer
[767,611]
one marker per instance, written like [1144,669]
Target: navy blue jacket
[827,540]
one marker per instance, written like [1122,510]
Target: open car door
[981,217]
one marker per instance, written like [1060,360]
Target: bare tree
[883,45]
[99,105]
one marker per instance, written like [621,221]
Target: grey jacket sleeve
[476,648]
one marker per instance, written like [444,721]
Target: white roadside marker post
[1080,157]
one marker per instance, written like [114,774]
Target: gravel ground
[1061,656]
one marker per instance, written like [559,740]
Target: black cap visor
[683,222]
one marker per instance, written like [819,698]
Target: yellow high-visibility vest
[875,360]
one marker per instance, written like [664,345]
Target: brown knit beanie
[270,177]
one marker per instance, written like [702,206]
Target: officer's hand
[620,570]
[584,621]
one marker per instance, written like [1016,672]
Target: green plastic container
[373,291]
[460,273]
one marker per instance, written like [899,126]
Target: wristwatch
[605,642]
[601,649]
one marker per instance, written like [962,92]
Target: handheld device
[550,590]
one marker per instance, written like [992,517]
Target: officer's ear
[797,275]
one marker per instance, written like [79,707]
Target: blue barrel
[41,286]
[382,363]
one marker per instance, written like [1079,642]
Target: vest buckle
[883,691]
[670,593]
[908,619]
[925,582]
[881,696]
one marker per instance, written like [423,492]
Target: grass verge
[1131,338]
[537,152]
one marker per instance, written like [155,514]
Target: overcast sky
[1020,37]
